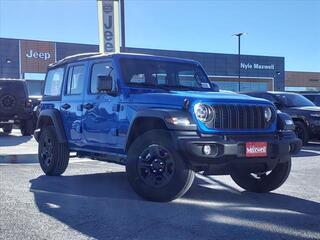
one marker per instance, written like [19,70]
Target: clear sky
[288,28]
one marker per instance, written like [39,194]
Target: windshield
[294,100]
[163,74]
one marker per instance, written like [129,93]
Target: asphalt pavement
[93,200]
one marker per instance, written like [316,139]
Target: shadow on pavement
[12,140]
[309,150]
[306,153]
[312,146]
[103,206]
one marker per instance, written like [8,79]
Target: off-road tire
[268,183]
[7,129]
[53,156]
[301,131]
[27,127]
[175,186]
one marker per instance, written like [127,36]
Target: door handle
[88,106]
[65,106]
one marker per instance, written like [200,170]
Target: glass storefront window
[35,87]
[244,86]
[34,76]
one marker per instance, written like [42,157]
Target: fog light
[206,149]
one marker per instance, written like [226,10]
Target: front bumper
[229,151]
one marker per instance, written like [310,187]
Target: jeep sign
[108,14]
[36,56]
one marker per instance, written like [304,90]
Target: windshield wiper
[178,87]
[148,85]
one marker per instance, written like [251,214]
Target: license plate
[256,149]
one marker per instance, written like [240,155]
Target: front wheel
[155,170]
[263,182]
[302,132]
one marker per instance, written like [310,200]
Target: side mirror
[104,83]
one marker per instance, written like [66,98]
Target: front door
[71,103]
[100,112]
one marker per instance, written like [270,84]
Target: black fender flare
[282,122]
[54,116]
[164,115]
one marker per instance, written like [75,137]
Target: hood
[307,108]
[177,97]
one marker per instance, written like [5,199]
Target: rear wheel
[302,131]
[155,170]
[7,129]
[53,156]
[27,127]
[263,182]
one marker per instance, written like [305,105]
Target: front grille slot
[232,116]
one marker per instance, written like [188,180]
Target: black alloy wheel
[53,155]
[155,169]
[265,181]
[301,132]
[46,151]
[7,129]
[156,166]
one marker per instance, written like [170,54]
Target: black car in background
[312,96]
[15,107]
[305,114]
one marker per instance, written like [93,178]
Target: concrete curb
[19,158]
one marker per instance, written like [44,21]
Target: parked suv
[164,120]
[15,107]
[305,114]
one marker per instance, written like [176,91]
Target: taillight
[28,103]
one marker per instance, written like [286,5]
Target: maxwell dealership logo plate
[36,55]
[256,149]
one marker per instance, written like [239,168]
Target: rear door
[71,102]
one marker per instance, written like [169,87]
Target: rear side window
[54,82]
[75,80]
[99,69]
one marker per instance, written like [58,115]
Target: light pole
[239,60]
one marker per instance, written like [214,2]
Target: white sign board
[109,26]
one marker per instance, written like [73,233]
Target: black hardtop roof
[96,55]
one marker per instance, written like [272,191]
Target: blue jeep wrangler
[164,120]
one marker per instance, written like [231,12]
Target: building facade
[302,81]
[28,59]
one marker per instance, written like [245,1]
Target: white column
[109,26]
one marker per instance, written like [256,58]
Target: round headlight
[203,112]
[267,114]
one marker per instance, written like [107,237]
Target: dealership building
[29,59]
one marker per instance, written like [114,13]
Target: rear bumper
[229,152]
[21,115]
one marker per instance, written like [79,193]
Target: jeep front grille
[232,116]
